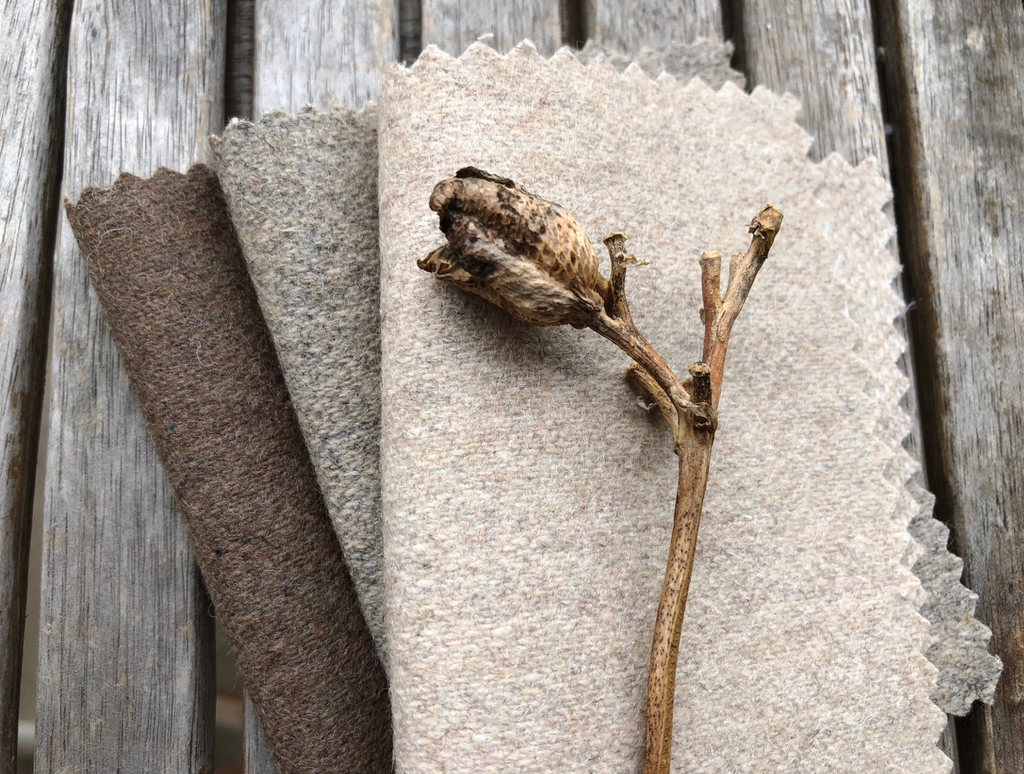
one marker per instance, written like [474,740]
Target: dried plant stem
[690,409]
[694,460]
[616,323]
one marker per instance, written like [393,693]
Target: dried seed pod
[517,250]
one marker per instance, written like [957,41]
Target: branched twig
[694,434]
[660,400]
[691,411]
[547,281]
[742,270]
[615,323]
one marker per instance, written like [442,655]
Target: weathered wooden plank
[323,52]
[454,25]
[824,53]
[125,661]
[652,23]
[258,758]
[956,85]
[33,55]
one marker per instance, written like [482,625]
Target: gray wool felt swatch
[527,500]
[302,192]
[706,59]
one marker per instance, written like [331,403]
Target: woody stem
[694,435]
[691,411]
[693,446]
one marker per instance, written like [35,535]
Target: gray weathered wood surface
[258,758]
[824,53]
[453,25]
[33,43]
[654,23]
[342,45]
[956,83]
[124,667]
[125,661]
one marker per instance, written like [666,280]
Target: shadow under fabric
[166,266]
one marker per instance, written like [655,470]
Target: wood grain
[454,25]
[258,758]
[956,85]
[321,53]
[33,56]
[824,53]
[626,26]
[125,656]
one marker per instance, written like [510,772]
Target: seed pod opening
[521,252]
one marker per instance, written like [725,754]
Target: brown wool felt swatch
[166,266]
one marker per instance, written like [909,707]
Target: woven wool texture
[302,191]
[959,646]
[527,500]
[164,261]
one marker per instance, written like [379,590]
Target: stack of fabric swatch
[501,507]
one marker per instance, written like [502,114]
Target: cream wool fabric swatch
[527,500]
[958,645]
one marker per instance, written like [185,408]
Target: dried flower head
[517,250]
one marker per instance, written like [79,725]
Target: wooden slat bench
[934,90]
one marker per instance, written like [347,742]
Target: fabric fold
[302,192]
[164,261]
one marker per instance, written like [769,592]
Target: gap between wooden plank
[240,56]
[410,30]
[956,87]
[573,17]
[732,31]
[947,742]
